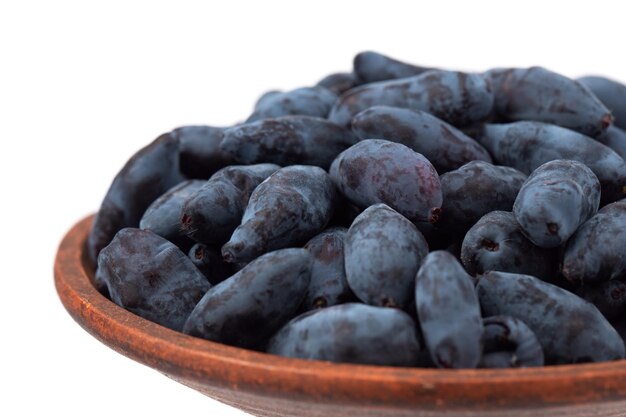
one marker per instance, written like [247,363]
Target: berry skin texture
[307,101]
[339,82]
[328,285]
[350,333]
[475,189]
[570,329]
[290,207]
[200,154]
[266,98]
[247,308]
[211,214]
[371,67]
[544,96]
[383,251]
[444,145]
[149,173]
[287,140]
[163,215]
[150,277]
[611,93]
[595,253]
[496,243]
[528,145]
[509,343]
[448,312]
[378,171]
[555,200]
[455,97]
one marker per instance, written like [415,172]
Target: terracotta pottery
[268,385]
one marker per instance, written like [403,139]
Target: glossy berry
[496,243]
[287,140]
[455,97]
[528,145]
[542,95]
[328,285]
[339,82]
[287,209]
[371,66]
[378,171]
[350,333]
[150,277]
[383,251]
[555,200]
[247,308]
[448,312]
[475,189]
[595,253]
[611,93]
[163,215]
[446,147]
[570,329]
[307,101]
[211,214]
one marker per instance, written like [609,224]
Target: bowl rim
[199,362]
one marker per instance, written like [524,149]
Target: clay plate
[268,385]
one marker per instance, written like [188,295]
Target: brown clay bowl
[268,385]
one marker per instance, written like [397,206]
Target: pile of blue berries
[394,215]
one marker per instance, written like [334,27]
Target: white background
[84,85]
